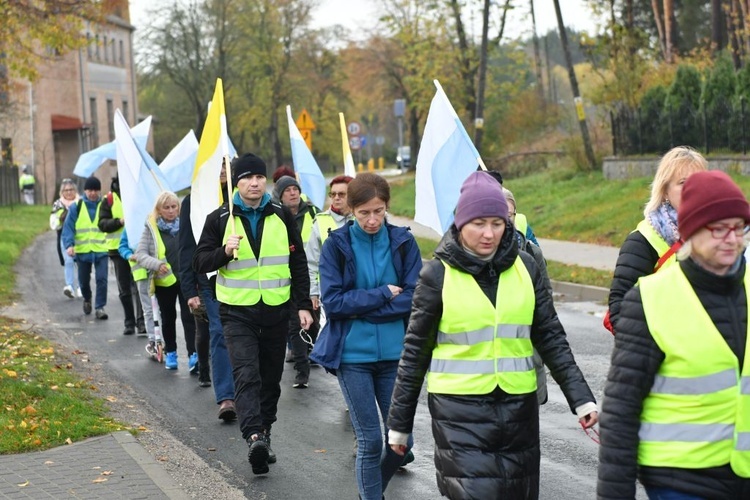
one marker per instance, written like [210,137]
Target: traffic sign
[304,121]
[355,142]
[354,128]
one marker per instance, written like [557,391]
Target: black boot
[266,436]
[204,375]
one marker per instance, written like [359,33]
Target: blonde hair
[677,163]
[161,200]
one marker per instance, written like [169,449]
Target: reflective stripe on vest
[697,414]
[655,240]
[326,223]
[139,273]
[89,238]
[168,279]
[249,279]
[481,346]
[113,239]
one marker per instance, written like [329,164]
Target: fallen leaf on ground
[320,451]
[212,449]
[107,473]
[29,410]
[100,480]
[21,485]
[49,462]
[162,458]
[68,441]
[79,352]
[54,387]
[111,399]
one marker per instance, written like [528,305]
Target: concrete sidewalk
[566,252]
[107,467]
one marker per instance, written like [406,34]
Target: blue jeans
[221,368]
[70,269]
[669,494]
[367,387]
[101,269]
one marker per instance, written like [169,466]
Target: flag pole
[230,201]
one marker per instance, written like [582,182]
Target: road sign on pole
[354,128]
[306,126]
[355,142]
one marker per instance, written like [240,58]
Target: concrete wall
[627,168]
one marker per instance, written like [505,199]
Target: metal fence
[719,128]
[9,192]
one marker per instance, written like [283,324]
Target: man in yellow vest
[83,240]
[112,222]
[26,185]
[256,291]
[288,192]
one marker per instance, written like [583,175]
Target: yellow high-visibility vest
[168,279]
[521,224]
[89,238]
[307,223]
[656,241]
[250,278]
[113,239]
[325,222]
[481,346]
[697,414]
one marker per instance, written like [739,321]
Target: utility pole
[479,115]
[537,57]
[574,87]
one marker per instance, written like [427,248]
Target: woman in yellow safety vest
[676,413]
[479,310]
[657,232]
[158,252]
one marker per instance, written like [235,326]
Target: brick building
[70,108]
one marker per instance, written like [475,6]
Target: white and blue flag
[310,177]
[447,156]
[89,162]
[178,166]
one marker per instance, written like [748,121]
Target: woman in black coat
[679,367]
[486,438]
[657,232]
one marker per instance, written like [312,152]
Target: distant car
[403,157]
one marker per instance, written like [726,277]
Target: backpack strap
[667,255]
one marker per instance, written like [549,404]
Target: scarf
[664,220]
[68,203]
[171,227]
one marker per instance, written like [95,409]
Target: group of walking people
[477,323]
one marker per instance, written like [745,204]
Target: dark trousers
[131,303]
[167,297]
[257,357]
[300,348]
[202,341]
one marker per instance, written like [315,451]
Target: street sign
[362,141]
[355,142]
[304,121]
[380,140]
[354,128]
[306,126]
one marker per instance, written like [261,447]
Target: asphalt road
[313,437]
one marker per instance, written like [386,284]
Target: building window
[94,120]
[6,151]
[122,54]
[112,46]
[98,54]
[4,83]
[104,46]
[125,111]
[111,119]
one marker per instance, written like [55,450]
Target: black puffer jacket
[635,361]
[637,258]
[470,461]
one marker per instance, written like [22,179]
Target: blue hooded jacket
[343,302]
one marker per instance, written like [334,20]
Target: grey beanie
[284,182]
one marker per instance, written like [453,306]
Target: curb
[150,466]
[575,292]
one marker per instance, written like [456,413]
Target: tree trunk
[574,85]
[465,67]
[537,56]
[733,27]
[668,35]
[717,20]
[659,26]
[479,114]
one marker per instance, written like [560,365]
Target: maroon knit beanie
[709,197]
[481,196]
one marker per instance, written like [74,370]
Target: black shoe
[408,458]
[101,314]
[204,377]
[266,436]
[86,307]
[258,455]
[129,330]
[300,385]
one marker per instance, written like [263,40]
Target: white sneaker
[68,292]
[78,293]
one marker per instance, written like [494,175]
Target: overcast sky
[353,13]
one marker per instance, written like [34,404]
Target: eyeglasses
[67,190]
[337,194]
[721,232]
[592,433]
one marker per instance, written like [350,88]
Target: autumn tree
[33,31]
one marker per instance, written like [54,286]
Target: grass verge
[577,274]
[44,402]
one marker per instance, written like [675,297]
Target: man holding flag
[255,289]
